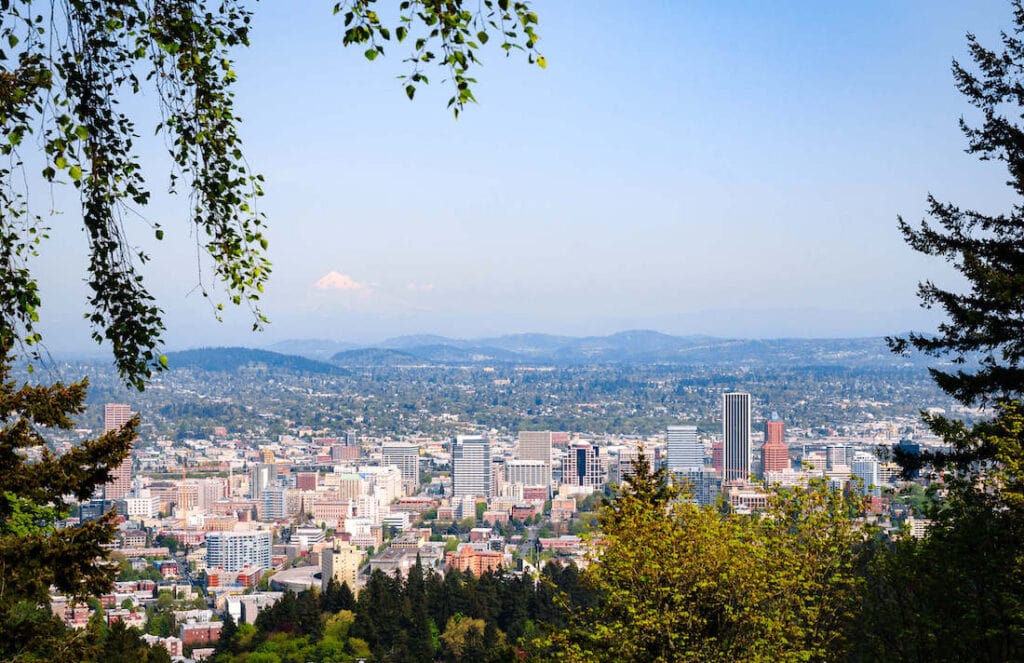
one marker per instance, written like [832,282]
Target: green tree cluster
[679,582]
[423,617]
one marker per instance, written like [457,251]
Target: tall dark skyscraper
[736,451]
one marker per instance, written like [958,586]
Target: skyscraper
[116,415]
[684,452]
[261,477]
[581,465]
[232,551]
[736,451]
[775,455]
[406,457]
[535,446]
[471,466]
[528,472]
[865,467]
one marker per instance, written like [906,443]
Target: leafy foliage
[680,582]
[66,68]
[452,27]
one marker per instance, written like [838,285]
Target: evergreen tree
[959,594]
[418,629]
[35,551]
[984,330]
[228,641]
[336,597]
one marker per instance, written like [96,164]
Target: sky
[734,169]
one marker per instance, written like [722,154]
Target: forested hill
[233,359]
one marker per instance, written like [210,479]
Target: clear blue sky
[692,167]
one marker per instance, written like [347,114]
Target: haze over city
[690,168]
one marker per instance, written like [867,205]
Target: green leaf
[75,172]
[81,132]
[12,40]
[371,54]
[410,90]
[159,233]
[163,360]
[482,36]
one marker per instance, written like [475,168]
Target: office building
[528,472]
[866,468]
[581,465]
[406,457]
[622,462]
[775,454]
[736,450]
[702,485]
[116,415]
[274,507]
[837,456]
[684,451]
[471,466]
[341,563]
[261,477]
[535,445]
[233,551]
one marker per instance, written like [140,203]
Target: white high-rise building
[736,450]
[471,466]
[684,452]
[232,551]
[581,466]
[406,457]
[528,472]
[866,468]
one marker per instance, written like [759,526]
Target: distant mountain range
[637,346]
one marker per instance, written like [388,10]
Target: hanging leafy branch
[66,66]
[449,26]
